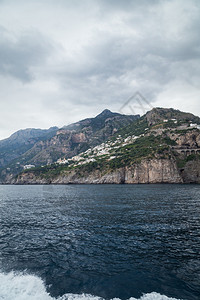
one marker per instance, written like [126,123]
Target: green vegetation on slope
[135,128]
[143,147]
[146,137]
[181,162]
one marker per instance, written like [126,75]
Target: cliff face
[191,172]
[190,139]
[148,171]
[154,171]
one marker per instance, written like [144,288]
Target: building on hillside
[26,167]
[61,161]
[194,125]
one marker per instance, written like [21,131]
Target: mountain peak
[107,113]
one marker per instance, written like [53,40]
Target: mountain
[158,114]
[39,147]
[161,146]
[21,141]
[97,122]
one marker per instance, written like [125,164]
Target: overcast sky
[64,60]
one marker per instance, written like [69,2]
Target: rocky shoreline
[148,171]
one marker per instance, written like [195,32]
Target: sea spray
[20,286]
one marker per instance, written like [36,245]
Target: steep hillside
[21,141]
[157,115]
[65,142]
[162,146]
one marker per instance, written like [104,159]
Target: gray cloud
[19,54]
[71,59]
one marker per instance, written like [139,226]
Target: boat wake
[21,286]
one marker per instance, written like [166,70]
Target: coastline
[155,171]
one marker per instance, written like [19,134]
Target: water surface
[104,240]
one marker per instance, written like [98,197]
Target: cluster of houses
[192,125]
[174,120]
[26,167]
[195,125]
[105,149]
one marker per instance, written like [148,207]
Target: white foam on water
[22,287]
[154,296]
[149,296]
[19,286]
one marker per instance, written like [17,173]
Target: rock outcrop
[154,171]
[191,172]
[158,114]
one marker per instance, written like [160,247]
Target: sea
[92,242]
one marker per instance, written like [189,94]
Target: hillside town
[103,150]
[107,150]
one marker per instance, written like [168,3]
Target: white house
[62,161]
[193,125]
[26,167]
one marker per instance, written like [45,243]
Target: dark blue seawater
[101,240]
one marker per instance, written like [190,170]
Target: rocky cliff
[147,171]
[163,146]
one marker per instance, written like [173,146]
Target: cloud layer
[61,61]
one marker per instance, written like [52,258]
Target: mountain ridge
[68,140]
[161,146]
